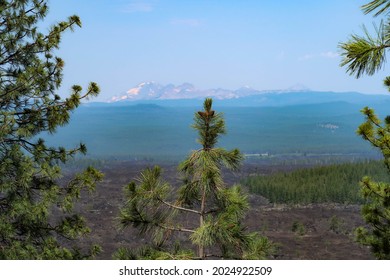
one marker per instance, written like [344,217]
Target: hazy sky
[263,44]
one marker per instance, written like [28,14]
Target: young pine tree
[366,55]
[30,75]
[205,209]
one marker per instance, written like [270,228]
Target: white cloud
[307,56]
[186,22]
[330,54]
[137,6]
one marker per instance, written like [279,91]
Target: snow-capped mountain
[147,90]
[155,91]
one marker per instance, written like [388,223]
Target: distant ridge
[187,94]
[155,91]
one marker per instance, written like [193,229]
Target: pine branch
[380,5]
[365,55]
[174,229]
[178,207]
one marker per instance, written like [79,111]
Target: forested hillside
[324,184]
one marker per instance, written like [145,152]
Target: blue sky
[211,44]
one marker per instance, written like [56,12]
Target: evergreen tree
[205,209]
[30,75]
[366,55]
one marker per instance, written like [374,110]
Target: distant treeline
[337,183]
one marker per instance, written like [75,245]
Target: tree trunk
[201,253]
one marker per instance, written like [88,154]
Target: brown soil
[321,231]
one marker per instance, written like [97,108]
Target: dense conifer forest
[338,183]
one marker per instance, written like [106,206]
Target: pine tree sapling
[30,75]
[204,209]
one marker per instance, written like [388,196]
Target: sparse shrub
[298,228]
[336,225]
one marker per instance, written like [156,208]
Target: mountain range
[188,94]
[156,91]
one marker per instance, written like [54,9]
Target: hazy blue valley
[294,124]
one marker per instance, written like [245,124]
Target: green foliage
[214,211]
[323,184]
[336,225]
[380,5]
[30,74]
[298,228]
[260,247]
[369,58]
[366,54]
[376,213]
